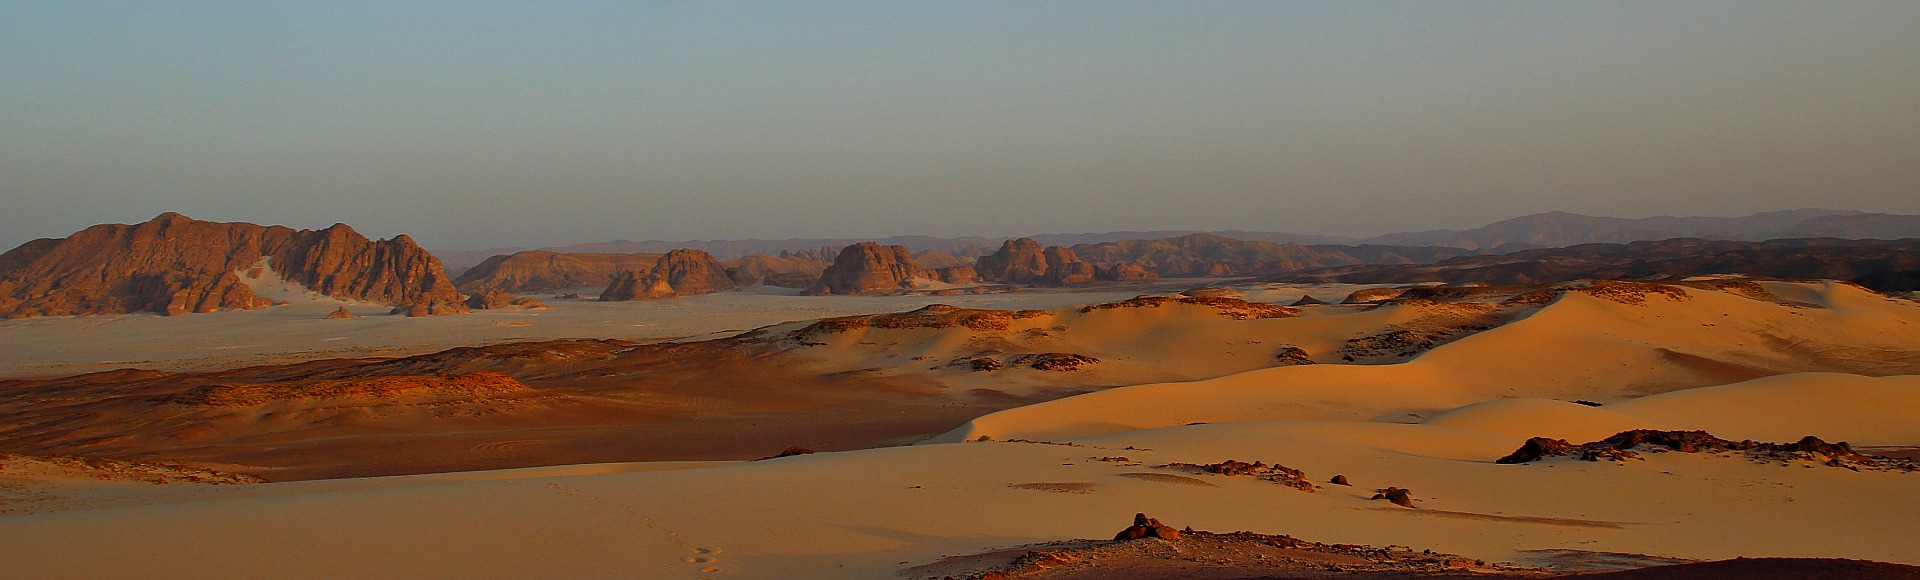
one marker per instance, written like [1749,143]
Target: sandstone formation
[784,272]
[1023,261]
[176,265]
[956,275]
[492,299]
[869,268]
[681,272]
[542,271]
[1308,300]
[1124,272]
[340,314]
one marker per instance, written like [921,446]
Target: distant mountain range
[1886,265]
[1546,230]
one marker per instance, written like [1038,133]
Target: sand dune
[1431,418]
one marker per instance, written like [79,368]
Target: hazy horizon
[498,125]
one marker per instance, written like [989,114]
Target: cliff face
[539,271]
[176,265]
[681,272]
[868,268]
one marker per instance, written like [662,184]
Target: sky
[472,125]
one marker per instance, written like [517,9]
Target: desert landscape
[998,418]
[960,291]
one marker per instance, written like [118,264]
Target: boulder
[340,314]
[1399,497]
[1146,527]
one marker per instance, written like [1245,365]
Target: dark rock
[1537,448]
[1146,527]
[1340,480]
[1399,497]
[1309,300]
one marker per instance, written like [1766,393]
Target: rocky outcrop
[1308,300]
[1023,261]
[173,265]
[680,272]
[787,272]
[957,275]
[340,314]
[1124,272]
[869,268]
[1018,261]
[542,271]
[499,300]
[1146,527]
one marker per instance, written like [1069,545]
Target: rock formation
[1019,261]
[542,271]
[1023,261]
[1146,527]
[956,275]
[784,272]
[492,299]
[1124,272]
[681,272]
[340,314]
[868,268]
[176,265]
[1308,300]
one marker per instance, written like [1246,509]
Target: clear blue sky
[473,124]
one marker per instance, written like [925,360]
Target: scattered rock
[978,364]
[1055,361]
[1292,355]
[340,314]
[1233,308]
[1276,473]
[1398,496]
[1146,527]
[1340,480]
[789,452]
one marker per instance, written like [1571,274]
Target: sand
[1432,423]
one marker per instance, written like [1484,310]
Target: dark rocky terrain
[1812,258]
